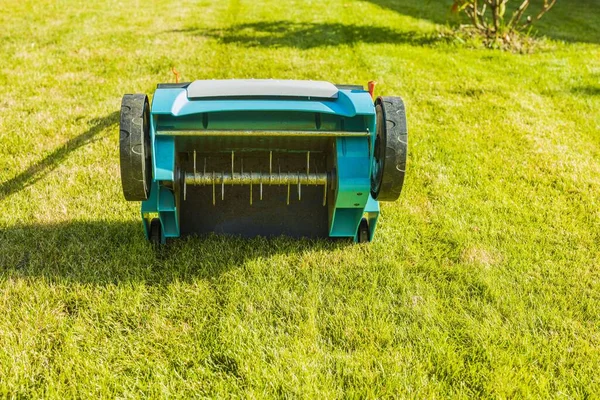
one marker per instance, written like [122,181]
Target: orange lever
[176,74]
[371,86]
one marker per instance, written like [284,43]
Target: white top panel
[261,87]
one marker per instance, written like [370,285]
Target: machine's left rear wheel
[134,146]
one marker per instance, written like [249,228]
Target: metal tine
[307,163]
[194,164]
[288,186]
[204,165]
[184,188]
[213,182]
[260,184]
[232,164]
[325,194]
[250,187]
[270,165]
[299,188]
[223,185]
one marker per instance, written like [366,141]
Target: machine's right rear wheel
[391,142]
[134,146]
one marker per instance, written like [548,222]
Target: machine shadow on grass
[112,252]
[308,35]
[41,168]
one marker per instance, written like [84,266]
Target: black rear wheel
[391,146]
[134,143]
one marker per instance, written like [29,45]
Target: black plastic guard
[268,217]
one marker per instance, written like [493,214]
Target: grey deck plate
[261,87]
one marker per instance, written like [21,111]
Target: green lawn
[483,279]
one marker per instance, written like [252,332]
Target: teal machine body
[262,157]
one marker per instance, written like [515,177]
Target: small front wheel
[364,235]
[155,235]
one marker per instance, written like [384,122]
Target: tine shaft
[307,163]
[232,164]
[194,163]
[299,190]
[256,178]
[205,165]
[184,189]
[223,186]
[250,187]
[261,189]
[288,195]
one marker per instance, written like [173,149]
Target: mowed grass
[483,279]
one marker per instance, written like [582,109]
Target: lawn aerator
[262,157]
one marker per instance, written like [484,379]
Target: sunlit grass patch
[482,281]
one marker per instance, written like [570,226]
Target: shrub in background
[490,18]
